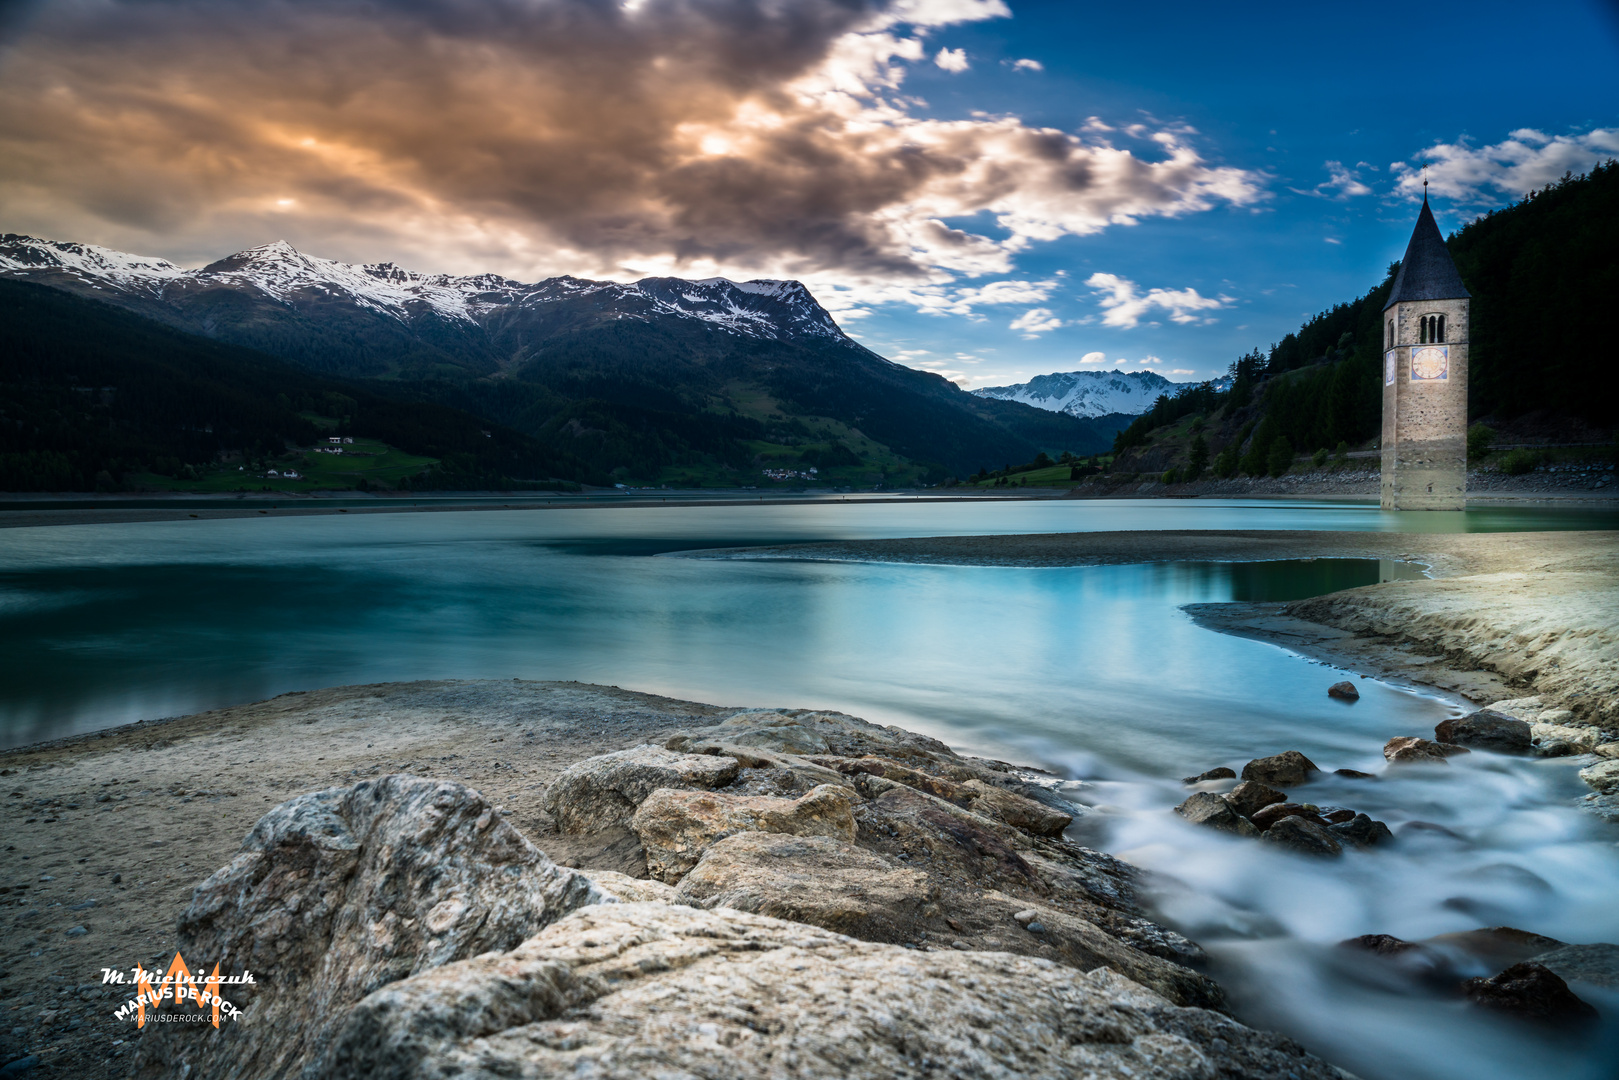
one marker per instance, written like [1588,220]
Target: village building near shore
[1425,332]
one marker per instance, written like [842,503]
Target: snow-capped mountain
[277,272]
[1087,393]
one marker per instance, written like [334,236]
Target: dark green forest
[90,394]
[1542,273]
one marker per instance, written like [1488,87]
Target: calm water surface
[1092,672]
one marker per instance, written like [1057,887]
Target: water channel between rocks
[1092,672]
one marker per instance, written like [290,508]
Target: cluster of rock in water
[825,898]
[1531,988]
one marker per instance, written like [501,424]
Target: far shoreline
[41,509]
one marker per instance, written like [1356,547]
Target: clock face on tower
[1430,363]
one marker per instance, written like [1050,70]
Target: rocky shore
[533,879]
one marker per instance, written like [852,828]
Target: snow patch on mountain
[768,309]
[1087,393]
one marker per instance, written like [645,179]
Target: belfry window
[1390,343]
[1431,330]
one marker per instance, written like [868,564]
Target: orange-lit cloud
[534,137]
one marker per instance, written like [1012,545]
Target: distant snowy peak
[775,310]
[1087,393]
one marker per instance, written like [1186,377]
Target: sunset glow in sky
[988,189]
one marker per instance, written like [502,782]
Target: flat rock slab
[633,991]
[1595,964]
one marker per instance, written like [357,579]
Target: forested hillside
[90,394]
[1543,275]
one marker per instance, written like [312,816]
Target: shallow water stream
[1092,672]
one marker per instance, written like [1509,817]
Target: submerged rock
[1354,774]
[1361,831]
[1596,964]
[1346,690]
[1381,945]
[603,792]
[1486,730]
[1218,773]
[1248,798]
[338,892]
[641,990]
[1411,750]
[676,827]
[1287,769]
[1303,836]
[1532,992]
[1207,808]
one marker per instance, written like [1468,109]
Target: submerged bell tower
[1425,331]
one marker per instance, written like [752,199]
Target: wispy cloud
[1342,183]
[696,137]
[1034,322]
[1124,305]
[1027,65]
[1482,175]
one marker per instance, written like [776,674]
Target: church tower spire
[1424,443]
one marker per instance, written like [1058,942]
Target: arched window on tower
[1440,328]
[1390,343]
[1422,330]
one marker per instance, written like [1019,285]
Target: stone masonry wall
[1424,439]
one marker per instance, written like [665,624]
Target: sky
[989,189]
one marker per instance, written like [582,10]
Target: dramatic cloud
[1125,305]
[1525,161]
[1034,322]
[597,137]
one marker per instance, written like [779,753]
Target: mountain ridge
[632,379]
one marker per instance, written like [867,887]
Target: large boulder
[339,892]
[1283,770]
[1207,808]
[1248,797]
[1486,730]
[641,990]
[1532,992]
[820,880]
[1410,750]
[1303,836]
[602,792]
[1595,964]
[676,827]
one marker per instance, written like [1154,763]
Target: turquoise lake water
[1092,672]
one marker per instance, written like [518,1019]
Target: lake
[1092,672]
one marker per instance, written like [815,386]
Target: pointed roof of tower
[1427,271]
